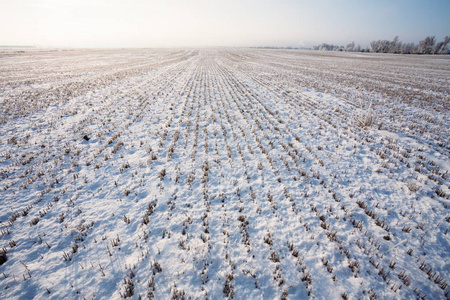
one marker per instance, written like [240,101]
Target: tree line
[427,46]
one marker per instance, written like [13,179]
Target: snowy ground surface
[223,173]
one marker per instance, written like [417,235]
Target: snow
[223,173]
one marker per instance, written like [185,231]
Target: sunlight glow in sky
[202,23]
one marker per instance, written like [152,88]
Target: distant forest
[427,46]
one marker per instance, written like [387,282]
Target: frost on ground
[223,174]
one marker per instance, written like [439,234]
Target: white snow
[223,173]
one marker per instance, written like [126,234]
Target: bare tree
[441,47]
[426,46]
[350,47]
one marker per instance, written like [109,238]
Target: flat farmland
[224,173]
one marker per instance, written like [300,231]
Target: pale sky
[203,23]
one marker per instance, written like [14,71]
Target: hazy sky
[175,23]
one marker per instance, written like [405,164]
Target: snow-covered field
[248,174]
